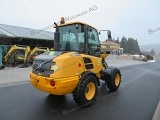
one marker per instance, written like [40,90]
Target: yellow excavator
[36,51]
[76,65]
[17,56]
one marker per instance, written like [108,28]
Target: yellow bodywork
[62,85]
[103,55]
[75,22]
[67,73]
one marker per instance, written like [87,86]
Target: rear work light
[52,83]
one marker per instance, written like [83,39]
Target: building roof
[2,34]
[109,43]
[21,32]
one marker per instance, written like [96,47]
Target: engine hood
[46,63]
[48,56]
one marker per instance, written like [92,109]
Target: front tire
[86,91]
[114,83]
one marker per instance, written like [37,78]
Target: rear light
[52,83]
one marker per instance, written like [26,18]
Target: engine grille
[42,68]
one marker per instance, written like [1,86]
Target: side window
[93,42]
[81,41]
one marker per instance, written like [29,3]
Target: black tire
[86,91]
[114,83]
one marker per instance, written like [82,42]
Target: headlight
[54,67]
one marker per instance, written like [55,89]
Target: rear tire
[114,83]
[86,91]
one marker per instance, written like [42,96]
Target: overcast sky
[129,18]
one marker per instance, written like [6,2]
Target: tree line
[129,45]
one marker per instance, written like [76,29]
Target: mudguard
[109,72]
[90,73]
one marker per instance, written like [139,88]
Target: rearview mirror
[109,34]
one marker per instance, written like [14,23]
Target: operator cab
[77,36]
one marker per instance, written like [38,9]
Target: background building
[111,46]
[10,35]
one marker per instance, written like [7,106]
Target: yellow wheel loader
[76,65]
[36,51]
[17,56]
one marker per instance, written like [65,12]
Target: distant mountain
[155,47]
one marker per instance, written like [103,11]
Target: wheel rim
[90,91]
[117,79]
